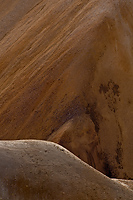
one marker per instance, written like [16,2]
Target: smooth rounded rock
[33,169]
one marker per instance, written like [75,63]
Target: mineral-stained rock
[66,75]
[31,170]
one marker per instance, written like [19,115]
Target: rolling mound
[66,75]
[44,170]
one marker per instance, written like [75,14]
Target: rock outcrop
[42,170]
[66,75]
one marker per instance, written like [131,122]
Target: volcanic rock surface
[66,75]
[31,170]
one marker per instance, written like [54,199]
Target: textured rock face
[43,170]
[66,75]
[127,183]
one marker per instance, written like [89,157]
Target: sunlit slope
[33,170]
[12,11]
[66,75]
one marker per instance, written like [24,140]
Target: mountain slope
[66,75]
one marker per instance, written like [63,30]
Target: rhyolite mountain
[66,75]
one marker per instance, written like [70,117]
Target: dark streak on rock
[119,155]
[103,89]
[111,93]
[94,115]
[116,90]
[90,159]
[110,170]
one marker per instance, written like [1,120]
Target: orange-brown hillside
[66,75]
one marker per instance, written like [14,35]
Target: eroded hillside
[66,75]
